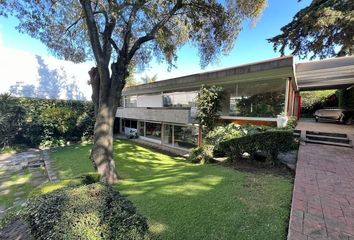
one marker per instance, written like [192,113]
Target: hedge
[94,211]
[48,122]
[270,142]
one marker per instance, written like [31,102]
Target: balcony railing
[173,115]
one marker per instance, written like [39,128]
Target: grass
[16,183]
[186,201]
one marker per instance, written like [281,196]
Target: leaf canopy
[136,29]
[323,29]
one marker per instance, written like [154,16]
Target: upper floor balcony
[159,114]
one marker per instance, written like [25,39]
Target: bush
[203,154]
[314,100]
[269,142]
[89,178]
[94,211]
[47,123]
[222,133]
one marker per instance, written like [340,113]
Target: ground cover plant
[191,201]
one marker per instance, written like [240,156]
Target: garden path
[323,196]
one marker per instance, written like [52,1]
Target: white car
[336,115]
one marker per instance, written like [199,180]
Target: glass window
[141,129]
[180,99]
[260,99]
[185,136]
[153,130]
[130,101]
[167,134]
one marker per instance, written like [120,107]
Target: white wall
[150,100]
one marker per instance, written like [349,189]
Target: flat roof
[325,74]
[275,68]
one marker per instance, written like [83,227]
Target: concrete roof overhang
[260,71]
[325,74]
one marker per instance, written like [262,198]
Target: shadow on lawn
[186,201]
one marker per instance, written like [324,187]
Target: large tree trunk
[102,150]
[104,101]
[106,92]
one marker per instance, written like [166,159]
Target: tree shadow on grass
[186,201]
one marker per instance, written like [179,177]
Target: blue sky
[250,46]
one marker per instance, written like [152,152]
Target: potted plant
[282,120]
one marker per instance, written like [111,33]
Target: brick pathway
[323,197]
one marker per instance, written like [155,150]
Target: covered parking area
[323,199]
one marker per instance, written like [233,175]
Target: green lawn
[185,201]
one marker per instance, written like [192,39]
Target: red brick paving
[323,197]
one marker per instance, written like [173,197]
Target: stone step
[328,138]
[340,135]
[329,143]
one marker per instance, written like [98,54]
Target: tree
[117,34]
[325,28]
[209,106]
[149,79]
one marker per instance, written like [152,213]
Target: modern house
[164,112]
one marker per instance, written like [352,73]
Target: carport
[336,73]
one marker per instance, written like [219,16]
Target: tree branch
[151,35]
[92,30]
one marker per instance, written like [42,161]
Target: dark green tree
[209,106]
[325,29]
[117,33]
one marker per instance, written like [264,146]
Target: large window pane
[141,129]
[260,99]
[153,130]
[180,99]
[130,101]
[185,136]
[167,134]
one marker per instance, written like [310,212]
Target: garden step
[329,143]
[341,135]
[328,138]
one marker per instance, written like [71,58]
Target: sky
[18,61]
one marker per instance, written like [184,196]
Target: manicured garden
[190,201]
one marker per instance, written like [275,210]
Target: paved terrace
[323,197]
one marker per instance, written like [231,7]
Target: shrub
[203,154]
[91,177]
[94,211]
[222,133]
[209,106]
[269,142]
[45,122]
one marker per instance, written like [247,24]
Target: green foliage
[267,104]
[176,195]
[209,106]
[324,28]
[346,98]
[202,155]
[314,100]
[11,215]
[222,133]
[269,142]
[48,122]
[211,25]
[91,177]
[11,119]
[149,79]
[94,211]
